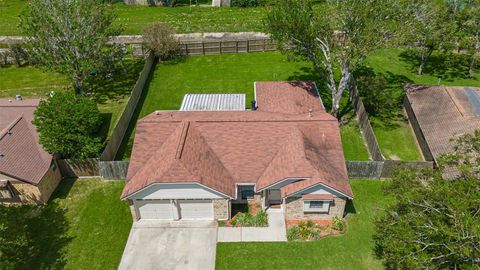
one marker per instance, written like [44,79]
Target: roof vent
[18,97]
[253,105]
[310,111]
[157,112]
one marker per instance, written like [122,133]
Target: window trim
[316,210]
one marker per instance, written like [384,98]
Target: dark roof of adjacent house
[220,149]
[21,156]
[444,113]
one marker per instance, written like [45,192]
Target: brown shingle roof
[21,155]
[219,149]
[442,114]
[288,97]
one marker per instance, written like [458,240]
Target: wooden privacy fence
[383,169]
[366,127]
[221,47]
[118,169]
[118,134]
[115,170]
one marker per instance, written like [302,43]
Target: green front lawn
[134,18]
[354,250]
[86,226]
[230,73]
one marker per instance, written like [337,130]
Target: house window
[316,206]
[246,192]
[5,191]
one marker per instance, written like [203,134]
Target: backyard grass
[354,147]
[398,66]
[232,73]
[111,94]
[86,226]
[354,250]
[134,18]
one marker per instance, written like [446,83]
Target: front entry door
[274,196]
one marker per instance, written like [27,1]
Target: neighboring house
[197,164]
[28,174]
[440,113]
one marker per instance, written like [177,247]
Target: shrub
[293,233]
[261,219]
[159,38]
[247,3]
[4,58]
[19,54]
[249,220]
[338,224]
[68,124]
[305,230]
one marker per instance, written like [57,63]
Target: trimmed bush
[160,38]
[338,224]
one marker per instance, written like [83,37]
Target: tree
[334,35]
[68,125]
[70,36]
[467,19]
[428,28]
[160,38]
[434,222]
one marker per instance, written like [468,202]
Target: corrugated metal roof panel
[213,102]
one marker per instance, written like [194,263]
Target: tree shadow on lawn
[382,95]
[443,65]
[38,234]
[117,85]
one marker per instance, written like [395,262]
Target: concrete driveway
[170,245]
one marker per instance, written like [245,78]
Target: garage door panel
[155,209]
[196,209]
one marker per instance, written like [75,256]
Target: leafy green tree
[428,28]
[434,222]
[336,35]
[70,36]
[466,15]
[68,125]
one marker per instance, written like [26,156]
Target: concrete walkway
[171,246]
[275,232]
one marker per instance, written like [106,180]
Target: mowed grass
[232,73]
[111,94]
[134,18]
[354,147]
[395,136]
[94,228]
[354,250]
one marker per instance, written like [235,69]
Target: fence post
[186,49]
[236,46]
[248,45]
[203,47]
[220,47]
[264,41]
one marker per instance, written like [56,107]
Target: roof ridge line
[10,126]
[183,137]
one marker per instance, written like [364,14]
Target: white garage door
[196,209]
[155,209]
